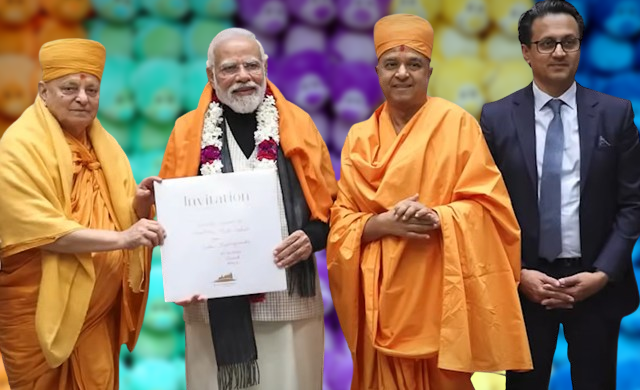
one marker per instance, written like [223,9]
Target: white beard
[241,104]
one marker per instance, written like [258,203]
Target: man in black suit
[570,158]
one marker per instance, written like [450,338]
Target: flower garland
[267,139]
[267,136]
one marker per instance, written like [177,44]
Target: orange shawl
[301,143]
[454,296]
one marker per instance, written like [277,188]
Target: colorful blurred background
[321,55]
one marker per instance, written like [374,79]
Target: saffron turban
[403,29]
[70,56]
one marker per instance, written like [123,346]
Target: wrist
[374,228]
[382,223]
[121,240]
[604,278]
[141,210]
[136,206]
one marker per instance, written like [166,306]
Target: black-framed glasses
[548,45]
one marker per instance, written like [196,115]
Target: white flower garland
[268,123]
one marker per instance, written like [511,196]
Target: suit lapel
[587,127]
[524,118]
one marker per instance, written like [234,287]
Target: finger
[425,212]
[409,212]
[286,262]
[570,281]
[560,296]
[419,228]
[293,260]
[302,253]
[155,235]
[288,251]
[153,226]
[549,287]
[400,210]
[555,302]
[433,217]
[284,244]
[560,306]
[146,223]
[201,298]
[419,221]
[423,222]
[143,241]
[148,182]
[155,240]
[423,215]
[417,236]
[162,231]
[549,280]
[184,302]
[152,237]
[551,304]
[575,292]
[296,257]
[151,232]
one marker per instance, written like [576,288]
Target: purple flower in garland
[209,154]
[268,150]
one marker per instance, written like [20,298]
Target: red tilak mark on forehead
[82,77]
[402,47]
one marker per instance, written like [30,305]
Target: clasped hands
[409,219]
[560,293]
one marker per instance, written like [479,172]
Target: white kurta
[290,353]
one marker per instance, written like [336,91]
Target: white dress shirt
[570,185]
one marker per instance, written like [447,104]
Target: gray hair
[227,34]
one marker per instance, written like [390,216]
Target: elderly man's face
[73,100]
[239,74]
[404,76]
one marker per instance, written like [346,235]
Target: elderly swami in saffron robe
[75,234]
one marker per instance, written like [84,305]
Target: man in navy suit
[570,157]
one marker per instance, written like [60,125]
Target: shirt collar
[541,98]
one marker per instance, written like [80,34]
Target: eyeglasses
[548,45]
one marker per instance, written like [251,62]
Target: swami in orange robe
[423,313]
[66,311]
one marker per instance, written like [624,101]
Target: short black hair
[544,8]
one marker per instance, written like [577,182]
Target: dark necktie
[549,203]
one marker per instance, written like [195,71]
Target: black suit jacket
[609,183]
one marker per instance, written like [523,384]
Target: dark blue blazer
[609,183]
